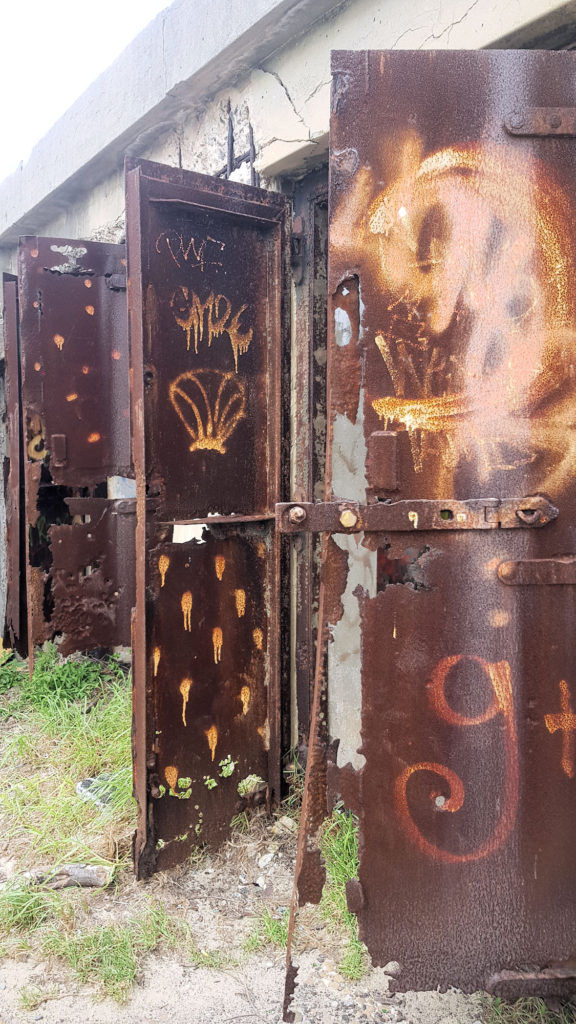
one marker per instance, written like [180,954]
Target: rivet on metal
[297,514]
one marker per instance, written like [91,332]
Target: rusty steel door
[15,631]
[207,320]
[450,573]
[76,428]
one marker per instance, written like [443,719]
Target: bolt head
[516,120]
[348,518]
[297,515]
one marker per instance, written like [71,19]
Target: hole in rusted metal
[446,513]
[404,569]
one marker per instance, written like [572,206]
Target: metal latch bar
[539,571]
[421,514]
[541,121]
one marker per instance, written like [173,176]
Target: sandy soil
[220,900]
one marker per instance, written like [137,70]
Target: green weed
[527,1011]
[54,746]
[30,997]
[270,930]
[11,671]
[24,907]
[61,680]
[110,957]
[340,852]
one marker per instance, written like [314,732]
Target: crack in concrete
[449,27]
[288,96]
[317,89]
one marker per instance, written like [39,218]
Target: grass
[55,742]
[110,957]
[24,907]
[270,930]
[528,1011]
[340,852]
[11,671]
[32,996]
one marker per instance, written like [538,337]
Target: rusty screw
[297,515]
[348,518]
[516,120]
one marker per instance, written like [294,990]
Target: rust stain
[87,283]
[264,733]
[219,565]
[71,397]
[217,641]
[58,341]
[37,366]
[116,355]
[565,722]
[212,737]
[93,438]
[85,370]
[240,599]
[89,310]
[185,691]
[186,604]
[171,776]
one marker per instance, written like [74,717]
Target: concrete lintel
[185,55]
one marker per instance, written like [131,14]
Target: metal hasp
[76,429]
[452,337]
[474,514]
[15,630]
[207,276]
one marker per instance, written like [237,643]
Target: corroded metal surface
[15,630]
[451,346]
[92,571]
[458,237]
[75,358]
[76,427]
[206,298]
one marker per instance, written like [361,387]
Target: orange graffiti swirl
[502,704]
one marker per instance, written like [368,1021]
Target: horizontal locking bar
[422,514]
[541,121]
[542,572]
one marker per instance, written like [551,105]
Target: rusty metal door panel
[206,291]
[208,651]
[93,574]
[453,339]
[15,631]
[76,424]
[75,357]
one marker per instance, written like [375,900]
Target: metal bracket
[542,121]
[381,517]
[539,571]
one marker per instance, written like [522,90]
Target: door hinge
[422,514]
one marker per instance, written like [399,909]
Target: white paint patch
[342,327]
[181,534]
[73,254]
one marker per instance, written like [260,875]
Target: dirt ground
[221,900]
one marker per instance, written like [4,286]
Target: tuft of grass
[30,997]
[53,745]
[12,672]
[110,957]
[340,852]
[528,1011]
[24,907]
[270,930]
[211,958]
[64,680]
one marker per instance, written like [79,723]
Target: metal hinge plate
[381,517]
[542,121]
